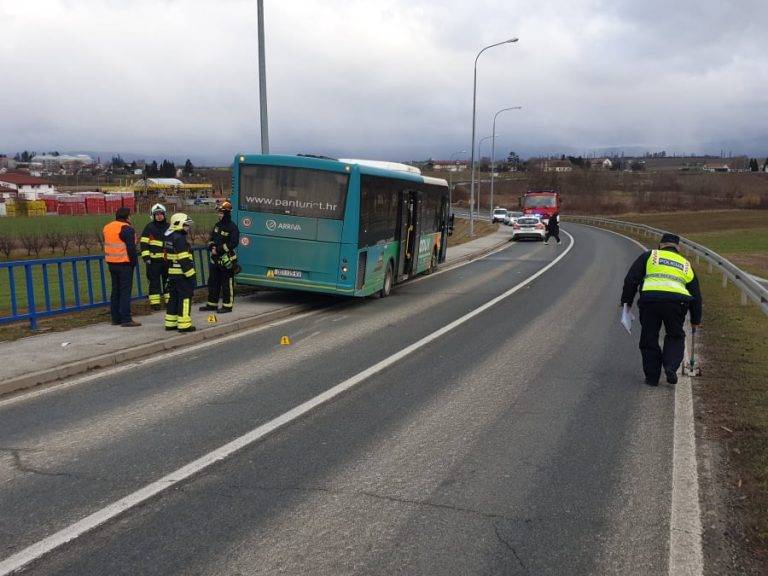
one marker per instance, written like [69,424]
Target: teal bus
[349,227]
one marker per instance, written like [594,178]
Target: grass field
[739,235]
[732,393]
[92,224]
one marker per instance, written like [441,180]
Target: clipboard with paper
[627,318]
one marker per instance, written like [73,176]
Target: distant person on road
[152,242]
[668,290]
[223,266]
[553,228]
[121,258]
[181,274]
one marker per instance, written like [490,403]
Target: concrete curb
[110,359]
[78,367]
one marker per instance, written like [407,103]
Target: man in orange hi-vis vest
[120,255]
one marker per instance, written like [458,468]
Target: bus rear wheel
[389,280]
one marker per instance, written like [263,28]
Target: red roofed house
[26,186]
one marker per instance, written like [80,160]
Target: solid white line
[685,547]
[70,533]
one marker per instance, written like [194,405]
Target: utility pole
[493,145]
[472,148]
[263,81]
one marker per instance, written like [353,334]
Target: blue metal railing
[33,289]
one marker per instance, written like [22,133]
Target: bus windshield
[294,191]
[540,202]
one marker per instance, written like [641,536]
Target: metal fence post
[725,279]
[30,297]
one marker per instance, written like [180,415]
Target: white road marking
[685,548]
[74,531]
[685,551]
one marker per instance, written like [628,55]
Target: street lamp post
[263,81]
[493,145]
[474,118]
[450,178]
[492,137]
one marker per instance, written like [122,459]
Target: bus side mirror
[450,224]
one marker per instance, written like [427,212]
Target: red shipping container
[129,202]
[51,205]
[95,205]
[112,203]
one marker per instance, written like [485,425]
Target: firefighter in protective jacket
[152,245]
[181,274]
[223,261]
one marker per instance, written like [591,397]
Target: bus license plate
[283,273]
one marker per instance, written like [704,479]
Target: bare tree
[65,242]
[53,239]
[32,243]
[82,239]
[7,245]
[98,238]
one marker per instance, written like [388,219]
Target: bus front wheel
[389,280]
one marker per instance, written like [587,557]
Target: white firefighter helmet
[157,208]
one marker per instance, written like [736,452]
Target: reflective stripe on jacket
[115,250]
[667,271]
[153,240]
[178,253]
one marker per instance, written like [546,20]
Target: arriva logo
[273,225]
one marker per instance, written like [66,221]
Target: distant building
[25,185]
[51,164]
[7,163]
[6,192]
[448,166]
[717,167]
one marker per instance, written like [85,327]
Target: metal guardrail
[33,289]
[750,288]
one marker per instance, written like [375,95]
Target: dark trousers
[551,233]
[652,316]
[178,313]
[221,283]
[121,276]
[157,274]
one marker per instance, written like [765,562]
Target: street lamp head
[511,40]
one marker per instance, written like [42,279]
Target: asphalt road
[522,442]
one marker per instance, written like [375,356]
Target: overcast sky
[389,79]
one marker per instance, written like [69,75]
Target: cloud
[390,79]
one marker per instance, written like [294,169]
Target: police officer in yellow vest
[668,290]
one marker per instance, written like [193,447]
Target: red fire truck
[542,203]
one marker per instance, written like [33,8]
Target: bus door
[445,225]
[408,227]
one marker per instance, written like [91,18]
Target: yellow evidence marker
[212,319]
[285,341]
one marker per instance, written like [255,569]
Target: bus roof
[370,167]
[383,164]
